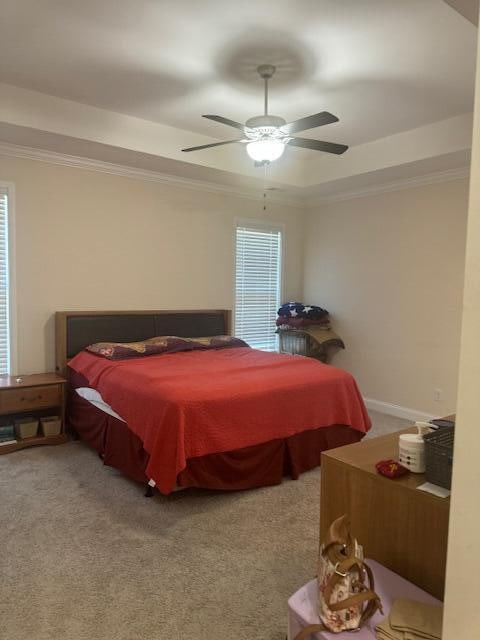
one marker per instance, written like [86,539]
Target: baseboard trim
[397,411]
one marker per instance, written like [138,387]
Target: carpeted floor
[85,557]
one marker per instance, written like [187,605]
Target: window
[4,287]
[257,284]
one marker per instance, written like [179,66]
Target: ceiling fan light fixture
[266,150]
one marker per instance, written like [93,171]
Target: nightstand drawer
[12,400]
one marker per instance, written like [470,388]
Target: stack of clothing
[410,620]
[298,315]
[298,318]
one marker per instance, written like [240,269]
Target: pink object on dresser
[302,606]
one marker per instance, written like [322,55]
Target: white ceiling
[382,66]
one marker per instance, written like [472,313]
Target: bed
[218,418]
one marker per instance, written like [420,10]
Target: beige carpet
[85,556]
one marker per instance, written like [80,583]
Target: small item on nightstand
[390,468]
[19,380]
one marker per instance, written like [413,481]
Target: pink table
[302,606]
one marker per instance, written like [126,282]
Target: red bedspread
[190,404]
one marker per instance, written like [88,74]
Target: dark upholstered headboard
[77,329]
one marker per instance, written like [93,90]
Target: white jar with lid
[412,452]
[412,448]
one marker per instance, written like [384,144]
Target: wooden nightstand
[37,395]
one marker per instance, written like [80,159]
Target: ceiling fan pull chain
[266,95]
[265,169]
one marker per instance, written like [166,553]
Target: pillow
[161,344]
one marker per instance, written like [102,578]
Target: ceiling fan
[266,136]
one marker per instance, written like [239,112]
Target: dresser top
[364,455]
[34,380]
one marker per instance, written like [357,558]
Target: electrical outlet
[437,395]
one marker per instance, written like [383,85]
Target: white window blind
[257,284]
[4,315]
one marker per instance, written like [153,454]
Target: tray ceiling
[384,67]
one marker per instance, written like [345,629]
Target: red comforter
[190,404]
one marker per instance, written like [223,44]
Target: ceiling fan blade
[230,123]
[214,144]
[309,122]
[318,145]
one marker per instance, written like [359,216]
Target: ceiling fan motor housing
[266,71]
[265,121]
[264,126]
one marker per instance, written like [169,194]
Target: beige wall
[89,240]
[390,270]
[462,612]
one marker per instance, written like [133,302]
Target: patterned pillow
[161,344]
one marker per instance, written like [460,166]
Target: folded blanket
[299,310]
[384,631]
[425,620]
[324,336]
[411,620]
[302,322]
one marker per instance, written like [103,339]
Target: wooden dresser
[399,526]
[34,395]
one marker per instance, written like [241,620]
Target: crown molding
[54,157]
[395,185]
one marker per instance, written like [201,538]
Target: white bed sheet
[95,398]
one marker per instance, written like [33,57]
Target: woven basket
[293,342]
[51,425]
[439,456]
[26,427]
